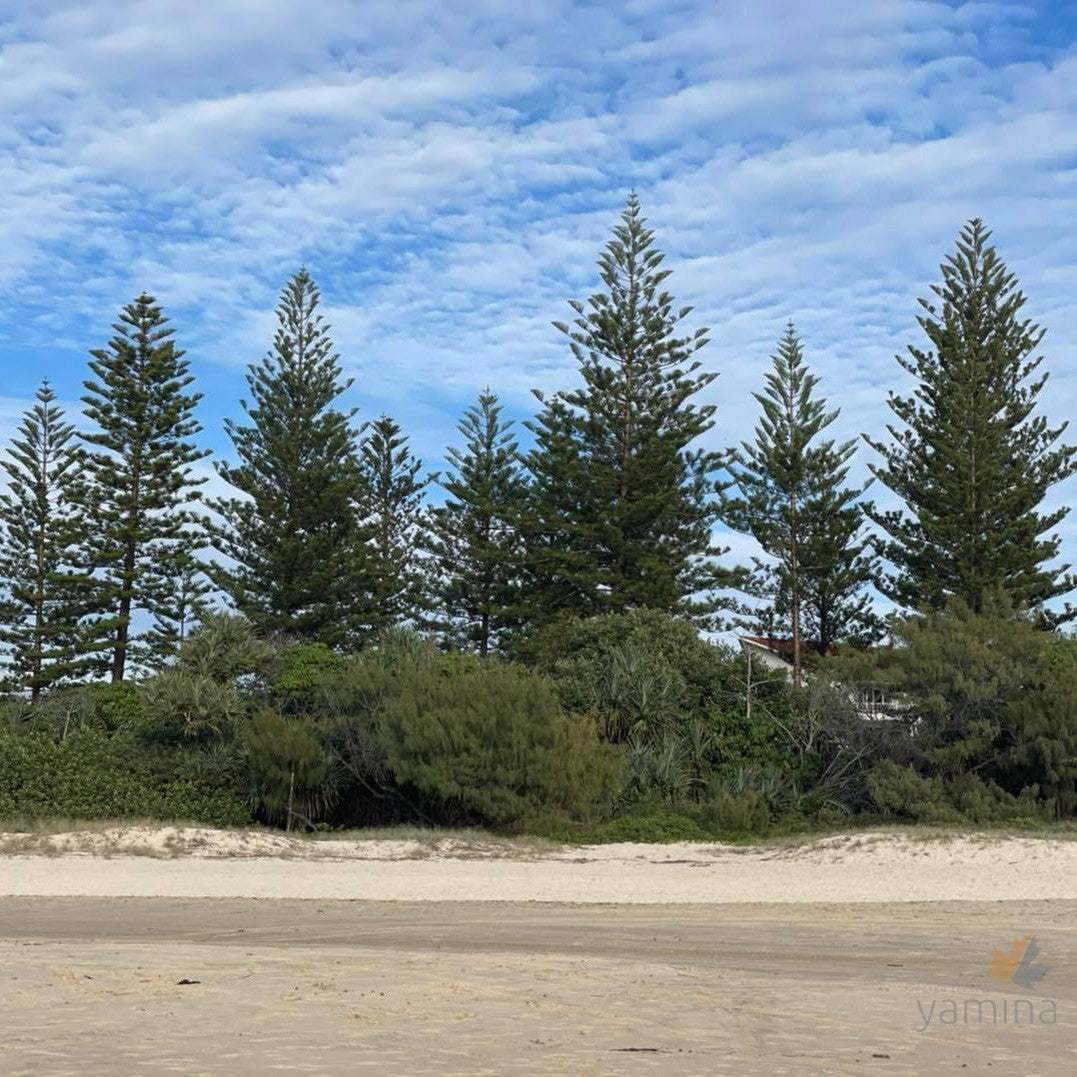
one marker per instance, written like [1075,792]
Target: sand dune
[196,862]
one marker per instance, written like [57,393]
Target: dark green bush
[646,823]
[1040,743]
[641,673]
[492,745]
[904,792]
[996,701]
[757,741]
[744,813]
[300,673]
[180,704]
[116,706]
[93,775]
[289,769]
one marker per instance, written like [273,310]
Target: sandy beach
[193,862]
[202,952]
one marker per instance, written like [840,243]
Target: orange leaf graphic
[1003,965]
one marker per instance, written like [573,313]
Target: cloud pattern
[449,170]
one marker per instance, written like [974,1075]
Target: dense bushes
[92,774]
[637,672]
[289,769]
[677,702]
[627,725]
[493,745]
[994,705]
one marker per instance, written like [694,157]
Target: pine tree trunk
[794,589]
[39,623]
[123,629]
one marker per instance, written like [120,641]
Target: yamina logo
[1017,965]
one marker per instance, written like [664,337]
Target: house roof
[782,646]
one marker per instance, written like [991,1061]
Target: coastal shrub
[657,769]
[640,673]
[757,741]
[904,792]
[93,775]
[745,813]
[1040,743]
[180,704]
[300,674]
[994,699]
[115,706]
[289,769]
[653,823]
[225,648]
[492,745]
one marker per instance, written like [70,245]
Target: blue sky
[449,171]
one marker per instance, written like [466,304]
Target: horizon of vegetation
[527,654]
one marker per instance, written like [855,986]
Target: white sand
[167,861]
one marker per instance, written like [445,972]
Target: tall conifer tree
[475,540]
[622,507]
[43,589]
[292,537]
[142,488]
[391,507]
[968,457]
[794,500]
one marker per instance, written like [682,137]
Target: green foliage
[996,699]
[905,792]
[140,485]
[1040,748]
[180,704]
[620,511]
[676,700]
[658,769]
[224,648]
[43,590]
[63,708]
[649,823]
[289,769]
[348,708]
[392,510]
[757,740]
[203,694]
[965,671]
[970,460]
[294,544]
[744,813]
[793,498]
[116,706]
[300,672]
[91,774]
[639,666]
[475,540]
[494,746]
[635,694]
[101,707]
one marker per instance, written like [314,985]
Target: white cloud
[448,172]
